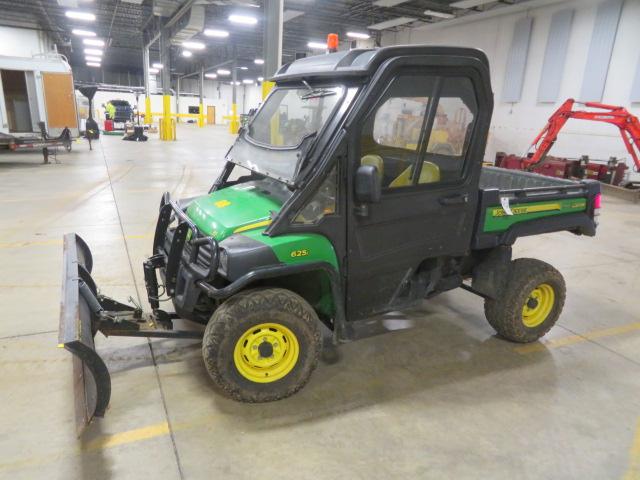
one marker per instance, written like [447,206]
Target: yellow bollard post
[234,123]
[148,118]
[167,132]
[201,116]
[266,88]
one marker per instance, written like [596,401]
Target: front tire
[530,303]
[262,345]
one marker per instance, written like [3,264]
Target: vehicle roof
[364,62]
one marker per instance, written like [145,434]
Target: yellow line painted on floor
[130,436]
[95,445]
[573,339]
[633,473]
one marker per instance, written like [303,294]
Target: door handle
[457,199]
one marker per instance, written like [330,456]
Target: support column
[234,123]
[166,125]
[147,96]
[201,107]
[272,41]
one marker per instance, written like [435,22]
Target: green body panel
[224,211]
[295,248]
[497,220]
[248,211]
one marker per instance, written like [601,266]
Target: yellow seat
[376,161]
[430,173]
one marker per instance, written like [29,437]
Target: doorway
[211,115]
[16,99]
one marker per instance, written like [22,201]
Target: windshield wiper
[316,92]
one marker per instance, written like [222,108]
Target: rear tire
[262,345]
[530,303]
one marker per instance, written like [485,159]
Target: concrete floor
[445,399]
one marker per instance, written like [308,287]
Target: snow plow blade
[91,380]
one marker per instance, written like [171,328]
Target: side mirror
[368,184]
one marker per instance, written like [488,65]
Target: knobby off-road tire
[530,303]
[262,345]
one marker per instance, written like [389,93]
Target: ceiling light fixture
[469,3]
[93,42]
[291,14]
[154,70]
[247,81]
[394,22]
[434,13]
[388,3]
[89,58]
[187,53]
[317,45]
[83,33]
[243,68]
[93,64]
[243,19]
[222,71]
[194,45]
[211,75]
[258,61]
[261,79]
[236,83]
[212,32]
[157,65]
[90,17]
[92,51]
[363,36]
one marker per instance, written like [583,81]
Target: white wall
[515,125]
[220,95]
[21,42]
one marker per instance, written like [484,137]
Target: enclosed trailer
[37,99]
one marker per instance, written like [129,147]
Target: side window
[398,122]
[452,128]
[322,203]
[394,134]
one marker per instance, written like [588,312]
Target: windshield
[291,114]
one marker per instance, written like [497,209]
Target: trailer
[37,103]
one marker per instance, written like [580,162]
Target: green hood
[232,210]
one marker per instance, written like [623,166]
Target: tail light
[597,202]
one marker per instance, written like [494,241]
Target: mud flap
[91,379]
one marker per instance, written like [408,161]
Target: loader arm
[628,125]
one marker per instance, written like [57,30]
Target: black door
[418,134]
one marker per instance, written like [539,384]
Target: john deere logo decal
[499,212]
[222,203]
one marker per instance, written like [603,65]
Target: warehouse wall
[515,124]
[22,42]
[220,94]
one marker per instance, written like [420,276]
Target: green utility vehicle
[357,189]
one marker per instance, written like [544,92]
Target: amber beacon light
[332,42]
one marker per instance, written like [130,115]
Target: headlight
[224,260]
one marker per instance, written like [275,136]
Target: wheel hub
[265,349]
[266,352]
[539,305]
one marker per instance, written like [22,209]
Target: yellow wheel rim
[266,352]
[538,306]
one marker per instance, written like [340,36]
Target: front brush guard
[84,312]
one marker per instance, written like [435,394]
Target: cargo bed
[514,203]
